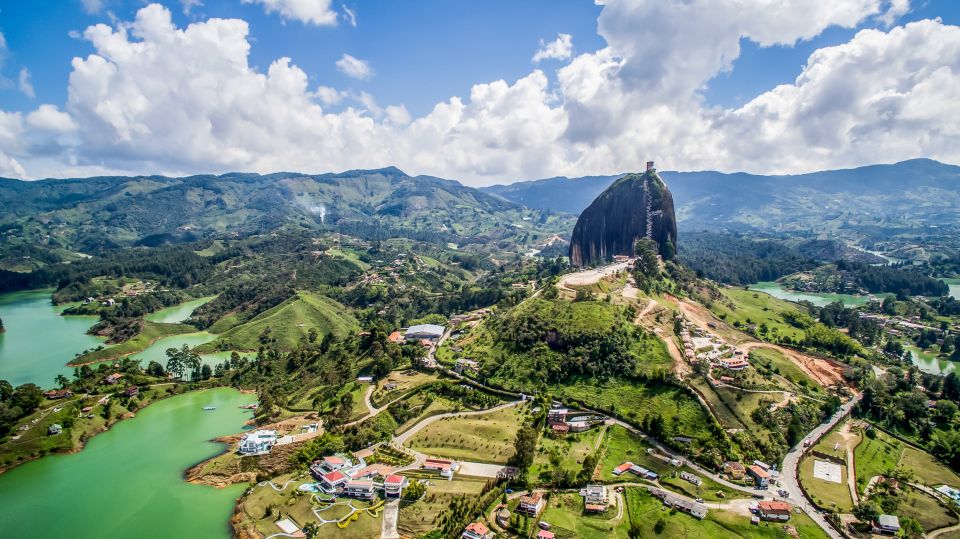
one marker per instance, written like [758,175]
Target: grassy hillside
[587,353]
[151,332]
[90,213]
[288,323]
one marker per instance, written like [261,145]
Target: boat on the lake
[208,408]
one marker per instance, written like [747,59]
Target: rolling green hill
[286,324]
[90,214]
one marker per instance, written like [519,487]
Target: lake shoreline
[125,354]
[81,443]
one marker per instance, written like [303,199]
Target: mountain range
[909,194]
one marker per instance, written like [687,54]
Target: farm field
[756,308]
[773,360]
[421,517]
[570,450]
[480,438]
[636,401]
[564,512]
[925,509]
[876,456]
[835,496]
[645,511]
[405,381]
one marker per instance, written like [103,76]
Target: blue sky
[422,52]
[450,88]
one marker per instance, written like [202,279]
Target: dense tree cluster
[736,259]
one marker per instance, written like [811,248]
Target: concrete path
[589,277]
[371,409]
[388,526]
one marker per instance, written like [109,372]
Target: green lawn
[421,517]
[634,401]
[645,510]
[925,509]
[927,469]
[480,438]
[571,449]
[709,490]
[151,332]
[883,453]
[288,323]
[768,359]
[565,514]
[757,308]
[621,445]
[826,494]
[876,456]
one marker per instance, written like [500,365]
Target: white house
[778,511]
[445,467]
[476,530]
[887,524]
[359,488]
[257,443]
[329,482]
[594,498]
[531,504]
[393,485]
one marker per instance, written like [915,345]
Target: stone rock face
[633,207]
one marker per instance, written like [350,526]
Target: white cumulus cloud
[24,83]
[558,49]
[354,67]
[156,98]
[315,12]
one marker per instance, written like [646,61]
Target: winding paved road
[788,475]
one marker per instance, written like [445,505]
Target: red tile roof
[544,534]
[478,528]
[774,507]
[334,476]
[758,471]
[394,479]
[624,467]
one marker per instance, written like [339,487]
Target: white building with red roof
[393,485]
[331,481]
[476,530]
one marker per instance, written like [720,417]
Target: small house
[113,378]
[777,511]
[734,469]
[545,534]
[531,504]
[734,363]
[54,429]
[887,524]
[760,476]
[393,485]
[132,391]
[643,472]
[691,478]
[396,337]
[595,498]
[445,467]
[58,394]
[476,530]
[625,467]
[365,379]
[560,428]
